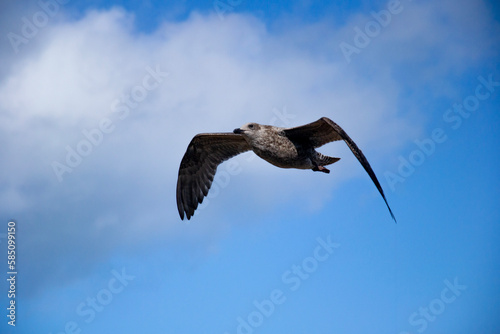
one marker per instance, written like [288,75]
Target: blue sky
[99,100]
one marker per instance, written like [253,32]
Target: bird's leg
[321,169]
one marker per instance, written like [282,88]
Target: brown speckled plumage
[282,147]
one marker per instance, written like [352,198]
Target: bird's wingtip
[392,214]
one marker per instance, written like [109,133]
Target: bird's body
[282,147]
[271,144]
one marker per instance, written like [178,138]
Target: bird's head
[248,129]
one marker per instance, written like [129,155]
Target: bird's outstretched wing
[324,131]
[199,164]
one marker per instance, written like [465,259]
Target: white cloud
[221,74]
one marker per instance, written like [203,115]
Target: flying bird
[282,147]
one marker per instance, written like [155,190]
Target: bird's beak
[238,131]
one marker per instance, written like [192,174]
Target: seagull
[282,147]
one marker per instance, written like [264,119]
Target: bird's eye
[250,126]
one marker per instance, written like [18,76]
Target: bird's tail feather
[324,160]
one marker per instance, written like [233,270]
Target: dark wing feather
[316,133]
[324,131]
[199,164]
